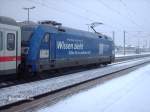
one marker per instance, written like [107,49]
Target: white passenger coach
[10,46]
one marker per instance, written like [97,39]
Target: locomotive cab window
[1,41]
[46,38]
[10,41]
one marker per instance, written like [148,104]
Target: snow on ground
[129,93]
[130,54]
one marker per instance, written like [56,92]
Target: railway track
[7,81]
[26,92]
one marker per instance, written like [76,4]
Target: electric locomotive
[51,46]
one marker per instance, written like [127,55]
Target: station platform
[128,93]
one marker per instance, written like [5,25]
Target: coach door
[1,51]
[10,51]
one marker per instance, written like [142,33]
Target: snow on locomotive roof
[59,27]
[7,20]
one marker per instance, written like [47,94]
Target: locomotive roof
[73,31]
[68,30]
[86,33]
[79,32]
[7,20]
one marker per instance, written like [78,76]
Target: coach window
[46,38]
[10,41]
[1,41]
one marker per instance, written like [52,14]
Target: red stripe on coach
[10,58]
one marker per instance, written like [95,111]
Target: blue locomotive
[48,46]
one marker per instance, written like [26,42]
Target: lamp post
[28,9]
[113,36]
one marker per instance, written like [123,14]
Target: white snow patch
[122,55]
[129,93]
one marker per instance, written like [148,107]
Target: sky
[131,16]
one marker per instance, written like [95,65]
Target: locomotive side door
[45,47]
[10,51]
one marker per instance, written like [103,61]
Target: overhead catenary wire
[126,6]
[131,10]
[119,13]
[129,14]
[87,10]
[144,34]
[60,11]
[78,15]
[67,12]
